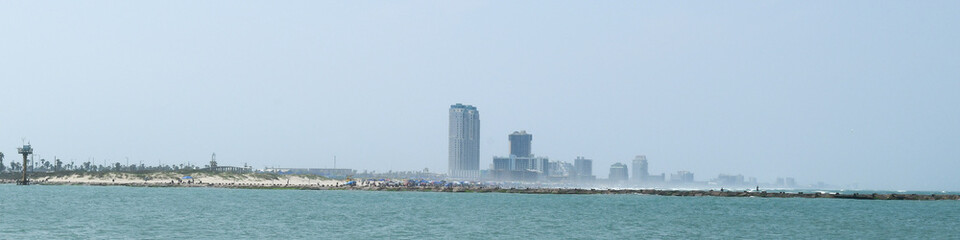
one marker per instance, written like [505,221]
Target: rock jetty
[497,189]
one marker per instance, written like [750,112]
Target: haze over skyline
[860,92]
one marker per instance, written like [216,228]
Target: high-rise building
[618,172]
[584,168]
[521,165]
[464,150]
[640,173]
[520,144]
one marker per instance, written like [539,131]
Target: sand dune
[197,178]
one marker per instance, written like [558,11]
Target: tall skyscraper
[640,173]
[464,149]
[520,144]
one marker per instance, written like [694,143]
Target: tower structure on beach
[213,161]
[25,150]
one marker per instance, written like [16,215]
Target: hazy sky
[845,92]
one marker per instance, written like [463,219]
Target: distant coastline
[310,182]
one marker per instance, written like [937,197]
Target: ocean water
[92,212]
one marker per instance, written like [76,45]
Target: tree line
[43,165]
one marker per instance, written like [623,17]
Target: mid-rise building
[618,172]
[561,170]
[786,182]
[513,168]
[730,180]
[584,168]
[464,149]
[682,177]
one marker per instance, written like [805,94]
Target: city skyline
[304,119]
[778,90]
[464,130]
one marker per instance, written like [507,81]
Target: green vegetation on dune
[156,175]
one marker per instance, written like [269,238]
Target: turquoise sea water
[68,212]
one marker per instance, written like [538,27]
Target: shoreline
[494,189]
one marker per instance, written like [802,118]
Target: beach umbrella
[187,177]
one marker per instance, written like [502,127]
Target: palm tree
[44,164]
[1,162]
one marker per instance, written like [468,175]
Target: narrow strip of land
[338,185]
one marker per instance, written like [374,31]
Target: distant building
[464,149]
[521,165]
[618,172]
[682,177]
[561,170]
[520,144]
[213,167]
[786,182]
[657,178]
[730,180]
[640,173]
[584,169]
[515,168]
[325,172]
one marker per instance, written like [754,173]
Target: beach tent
[187,177]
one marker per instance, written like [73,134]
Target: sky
[852,93]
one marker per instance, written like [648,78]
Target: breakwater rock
[497,189]
[695,193]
